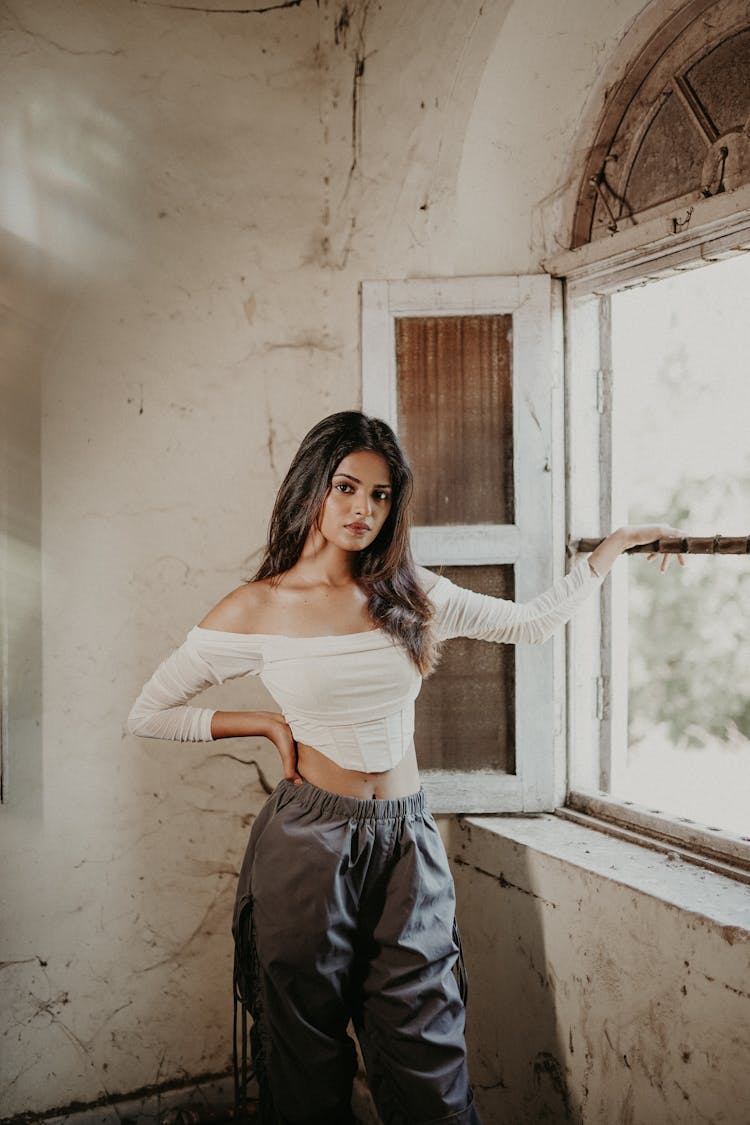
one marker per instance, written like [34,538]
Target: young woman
[345,903]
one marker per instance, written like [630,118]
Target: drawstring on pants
[241,1075]
[245,997]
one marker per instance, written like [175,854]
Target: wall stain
[36,959]
[499,1085]
[264,782]
[729,987]
[505,883]
[131,399]
[222,11]
[626,1113]
[179,951]
[547,1066]
[202,868]
[249,306]
[52,1007]
[305,343]
[341,30]
[271,439]
[733,934]
[54,43]
[341,27]
[112,1101]
[525,953]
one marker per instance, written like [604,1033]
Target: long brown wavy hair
[385,569]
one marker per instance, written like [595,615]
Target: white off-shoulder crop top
[350,696]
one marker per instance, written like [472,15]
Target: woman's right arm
[266,724]
[163,709]
[206,657]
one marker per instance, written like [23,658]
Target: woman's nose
[361,503]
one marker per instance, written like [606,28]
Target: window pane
[682,401]
[720,81]
[466,709]
[669,161]
[455,416]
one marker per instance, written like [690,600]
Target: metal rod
[690,545]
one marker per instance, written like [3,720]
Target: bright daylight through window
[681,451]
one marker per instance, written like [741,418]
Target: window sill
[721,900]
[677,837]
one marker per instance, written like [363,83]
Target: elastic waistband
[355,808]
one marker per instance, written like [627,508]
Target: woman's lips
[357,528]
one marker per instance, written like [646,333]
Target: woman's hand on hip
[263,724]
[280,733]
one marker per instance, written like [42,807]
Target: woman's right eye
[343,486]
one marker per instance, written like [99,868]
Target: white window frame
[534,544]
[716,228]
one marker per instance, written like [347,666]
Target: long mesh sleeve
[464,613]
[204,659]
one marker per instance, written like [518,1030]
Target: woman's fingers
[289,762]
[287,748]
[650,533]
[665,559]
[290,770]
[280,733]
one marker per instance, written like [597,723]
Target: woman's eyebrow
[357,480]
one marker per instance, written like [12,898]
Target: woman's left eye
[381,495]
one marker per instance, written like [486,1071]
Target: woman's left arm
[602,559]
[464,613]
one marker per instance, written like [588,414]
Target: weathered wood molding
[475,791]
[474,545]
[694,231]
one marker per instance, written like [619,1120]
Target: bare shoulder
[240,610]
[426,578]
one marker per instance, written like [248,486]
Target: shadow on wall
[516,1047]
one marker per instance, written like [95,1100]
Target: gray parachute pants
[345,910]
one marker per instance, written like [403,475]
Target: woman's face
[358,502]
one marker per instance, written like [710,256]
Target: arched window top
[676,128]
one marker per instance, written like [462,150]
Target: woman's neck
[324,564]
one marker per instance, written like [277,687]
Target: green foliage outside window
[690,632]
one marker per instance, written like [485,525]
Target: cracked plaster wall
[192,199]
